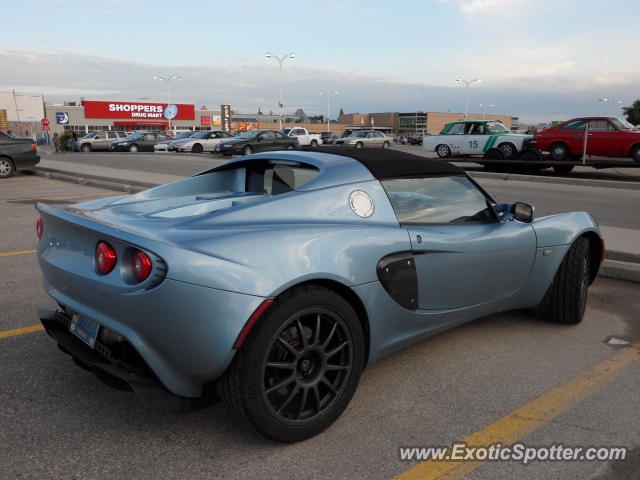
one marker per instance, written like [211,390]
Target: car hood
[123,140]
[233,141]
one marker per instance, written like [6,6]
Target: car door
[464,255]
[454,137]
[476,138]
[573,135]
[100,142]
[266,141]
[148,141]
[111,137]
[603,138]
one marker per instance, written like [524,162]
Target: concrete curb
[91,180]
[582,182]
[617,265]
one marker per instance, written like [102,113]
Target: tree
[633,112]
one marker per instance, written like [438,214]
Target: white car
[476,137]
[303,136]
[203,141]
[164,145]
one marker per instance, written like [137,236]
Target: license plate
[85,329]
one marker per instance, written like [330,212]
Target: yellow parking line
[524,420]
[61,197]
[21,331]
[21,252]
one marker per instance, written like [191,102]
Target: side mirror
[523,212]
[260,138]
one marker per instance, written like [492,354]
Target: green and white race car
[476,137]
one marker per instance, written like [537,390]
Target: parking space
[59,421]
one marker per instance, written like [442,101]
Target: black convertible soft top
[386,163]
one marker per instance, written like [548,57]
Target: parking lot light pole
[466,101]
[484,109]
[292,56]
[168,79]
[328,94]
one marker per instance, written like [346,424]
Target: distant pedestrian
[55,141]
[74,142]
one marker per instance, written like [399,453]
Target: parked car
[139,142]
[490,138]
[365,138]
[607,136]
[415,139]
[256,141]
[303,136]
[203,141]
[327,138]
[276,278]
[16,153]
[163,146]
[100,140]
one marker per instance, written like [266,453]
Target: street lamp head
[292,56]
[268,55]
[459,80]
[603,99]
[477,80]
[156,77]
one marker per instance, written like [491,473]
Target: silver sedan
[365,138]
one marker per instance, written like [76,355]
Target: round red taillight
[142,265]
[106,257]
[39,228]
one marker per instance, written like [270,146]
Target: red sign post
[44,123]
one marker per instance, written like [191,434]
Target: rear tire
[385,145]
[443,151]
[566,299]
[85,148]
[294,335]
[134,148]
[314,143]
[7,168]
[197,148]
[508,150]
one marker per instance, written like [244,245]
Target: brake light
[106,257]
[142,265]
[39,228]
[34,148]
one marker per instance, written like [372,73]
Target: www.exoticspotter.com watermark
[518,452]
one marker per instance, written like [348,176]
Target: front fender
[564,228]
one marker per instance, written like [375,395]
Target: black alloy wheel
[309,361]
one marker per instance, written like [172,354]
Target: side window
[602,125]
[150,136]
[112,135]
[378,134]
[425,200]
[577,125]
[456,129]
[268,136]
[477,129]
[100,136]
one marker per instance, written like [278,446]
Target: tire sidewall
[258,346]
[555,153]
[134,149]
[445,153]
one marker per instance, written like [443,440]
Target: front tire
[566,299]
[197,148]
[508,150]
[7,168]
[443,151]
[359,145]
[559,151]
[314,143]
[385,145]
[299,366]
[247,150]
[86,148]
[635,154]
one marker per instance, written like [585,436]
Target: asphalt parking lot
[489,380]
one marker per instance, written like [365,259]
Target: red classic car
[606,136]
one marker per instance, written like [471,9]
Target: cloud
[489,6]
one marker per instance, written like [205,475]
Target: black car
[139,142]
[328,137]
[256,141]
[16,153]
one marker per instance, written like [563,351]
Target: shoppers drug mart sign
[135,111]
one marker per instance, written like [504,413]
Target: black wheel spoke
[337,349]
[286,345]
[293,393]
[316,337]
[316,396]
[281,384]
[337,367]
[331,333]
[303,341]
[281,365]
[303,402]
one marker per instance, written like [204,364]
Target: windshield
[184,135]
[91,134]
[622,124]
[201,134]
[497,127]
[286,131]
[249,135]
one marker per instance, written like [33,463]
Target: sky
[538,59]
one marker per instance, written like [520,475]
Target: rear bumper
[25,160]
[116,372]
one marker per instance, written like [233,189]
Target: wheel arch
[596,252]
[633,147]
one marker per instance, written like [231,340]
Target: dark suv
[16,153]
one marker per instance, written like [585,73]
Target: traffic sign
[44,122]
